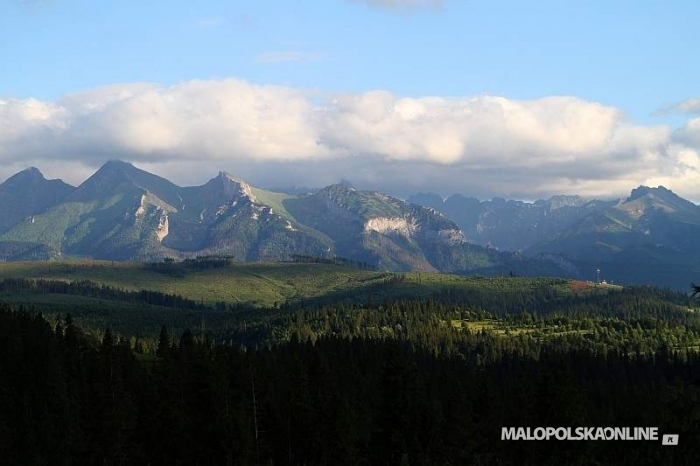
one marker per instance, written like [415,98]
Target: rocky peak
[118,164]
[659,191]
[115,168]
[431,200]
[233,186]
[110,176]
[31,172]
[641,191]
[33,178]
[27,193]
[557,202]
[644,199]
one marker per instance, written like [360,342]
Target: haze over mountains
[649,237]
[123,213]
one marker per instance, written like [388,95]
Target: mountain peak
[229,177]
[642,191]
[644,199]
[32,171]
[559,201]
[114,169]
[345,183]
[225,180]
[28,174]
[432,200]
[117,164]
[119,176]
[338,188]
[27,193]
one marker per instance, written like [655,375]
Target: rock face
[392,226]
[379,229]
[162,230]
[235,187]
[452,237]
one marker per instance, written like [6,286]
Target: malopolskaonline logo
[586,433]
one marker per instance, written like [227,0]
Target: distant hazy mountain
[653,236]
[122,212]
[510,225]
[23,196]
[28,193]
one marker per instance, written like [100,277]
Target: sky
[518,99]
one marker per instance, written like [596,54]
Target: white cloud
[688,107]
[483,130]
[689,134]
[277,135]
[287,56]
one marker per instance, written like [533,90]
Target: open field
[504,329]
[270,284]
[262,284]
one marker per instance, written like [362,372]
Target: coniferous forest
[406,382]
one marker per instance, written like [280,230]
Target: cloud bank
[283,136]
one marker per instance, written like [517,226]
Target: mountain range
[650,237]
[124,213]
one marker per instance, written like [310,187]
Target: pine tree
[163,343]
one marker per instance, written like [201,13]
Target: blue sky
[628,59]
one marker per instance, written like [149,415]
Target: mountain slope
[110,215]
[650,216]
[122,212]
[372,227]
[653,236]
[228,216]
[22,197]
[28,193]
[510,225]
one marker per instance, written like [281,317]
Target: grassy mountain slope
[28,193]
[106,216]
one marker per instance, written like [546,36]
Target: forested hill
[311,364]
[266,303]
[76,400]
